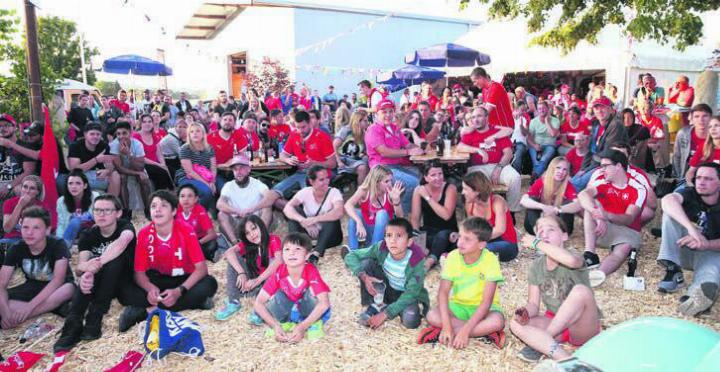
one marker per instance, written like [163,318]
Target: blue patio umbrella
[409,75]
[447,55]
[135,65]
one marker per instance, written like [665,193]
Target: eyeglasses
[103,212]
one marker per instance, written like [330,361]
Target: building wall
[384,46]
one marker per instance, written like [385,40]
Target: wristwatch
[183,290]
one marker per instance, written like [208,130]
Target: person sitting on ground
[491,153]
[612,208]
[317,210]
[468,298]
[279,296]
[551,194]
[708,152]
[305,148]
[691,240]
[195,215]
[581,146]
[543,134]
[103,270]
[386,145]
[396,263]
[376,201]
[557,279]
[198,165]
[690,138]
[74,207]
[32,193]
[574,125]
[154,161]
[481,202]
[129,160]
[639,137]
[242,197]
[44,260]
[656,141]
[349,144]
[91,155]
[249,263]
[434,201]
[170,269]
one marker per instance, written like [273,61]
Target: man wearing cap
[91,155]
[387,145]
[13,165]
[241,197]
[330,98]
[607,129]
[495,99]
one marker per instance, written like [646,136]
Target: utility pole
[82,58]
[33,61]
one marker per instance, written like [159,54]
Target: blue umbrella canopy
[410,75]
[447,55]
[135,65]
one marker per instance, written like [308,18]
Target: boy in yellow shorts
[472,308]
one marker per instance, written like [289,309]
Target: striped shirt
[395,271]
[196,157]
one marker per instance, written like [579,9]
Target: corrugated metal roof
[212,17]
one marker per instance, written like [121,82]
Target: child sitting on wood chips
[294,300]
[473,273]
[396,266]
[558,279]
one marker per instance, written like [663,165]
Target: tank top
[432,220]
[368,210]
[151,149]
[509,235]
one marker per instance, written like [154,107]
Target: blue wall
[382,47]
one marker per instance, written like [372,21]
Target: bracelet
[242,273]
[535,243]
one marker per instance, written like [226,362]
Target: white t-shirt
[245,197]
[517,135]
[311,206]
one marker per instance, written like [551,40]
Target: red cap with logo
[385,104]
[8,118]
[602,101]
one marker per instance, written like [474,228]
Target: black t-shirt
[220,109]
[11,161]
[39,267]
[706,217]
[95,243]
[637,133]
[161,107]
[80,116]
[79,150]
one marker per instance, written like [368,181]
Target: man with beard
[245,196]
[13,165]
[691,240]
[224,105]
[226,142]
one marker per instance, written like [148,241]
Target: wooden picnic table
[454,157]
[269,172]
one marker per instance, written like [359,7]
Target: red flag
[50,167]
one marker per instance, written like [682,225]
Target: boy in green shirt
[473,274]
[398,263]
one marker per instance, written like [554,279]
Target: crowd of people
[189,167]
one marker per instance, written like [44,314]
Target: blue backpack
[168,332]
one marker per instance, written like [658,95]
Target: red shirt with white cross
[174,255]
[197,218]
[616,200]
[225,148]
[317,147]
[494,150]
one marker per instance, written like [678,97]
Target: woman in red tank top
[372,206]
[481,202]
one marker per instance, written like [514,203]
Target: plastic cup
[380,295]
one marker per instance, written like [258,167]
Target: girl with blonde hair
[551,194]
[349,144]
[198,165]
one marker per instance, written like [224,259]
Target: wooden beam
[192,37]
[210,16]
[209,28]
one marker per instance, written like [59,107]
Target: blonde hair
[206,146]
[38,183]
[709,146]
[549,195]
[357,131]
[373,179]
[342,117]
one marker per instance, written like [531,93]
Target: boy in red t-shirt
[294,300]
[170,269]
[193,214]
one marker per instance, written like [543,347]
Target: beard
[243,182]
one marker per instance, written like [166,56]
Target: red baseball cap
[457,87]
[602,101]
[8,118]
[386,104]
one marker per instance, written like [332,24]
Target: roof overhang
[212,16]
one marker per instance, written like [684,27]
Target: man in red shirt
[491,152]
[273,101]
[247,133]
[495,99]
[226,142]
[120,102]
[278,130]
[612,215]
[304,148]
[170,269]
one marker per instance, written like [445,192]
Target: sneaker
[208,304]
[255,319]
[287,327]
[130,316]
[591,260]
[496,338]
[672,281]
[313,259]
[70,335]
[93,327]
[315,331]
[230,308]
[344,250]
[700,298]
[596,277]
[429,335]
[529,355]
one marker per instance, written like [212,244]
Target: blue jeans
[74,226]
[548,152]
[291,184]
[520,151]
[410,178]
[505,250]
[375,232]
[580,182]
[206,195]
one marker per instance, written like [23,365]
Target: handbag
[204,173]
[169,332]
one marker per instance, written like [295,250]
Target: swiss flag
[50,167]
